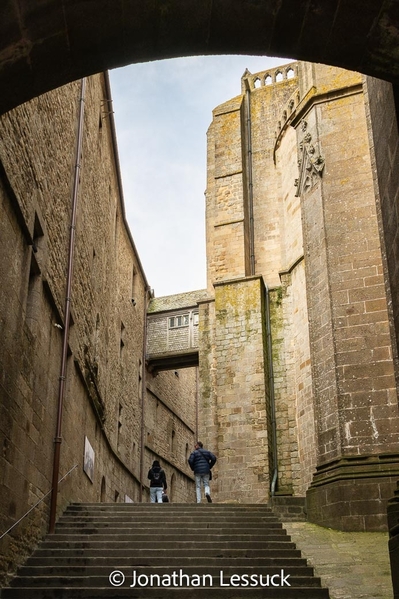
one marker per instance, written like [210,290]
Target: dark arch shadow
[50,43]
[47,44]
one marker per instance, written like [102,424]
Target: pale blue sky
[162,112]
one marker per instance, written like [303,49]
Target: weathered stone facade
[128,415]
[292,200]
[352,355]
[289,355]
[173,330]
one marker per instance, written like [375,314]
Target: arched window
[290,73]
[257,82]
[268,80]
[279,76]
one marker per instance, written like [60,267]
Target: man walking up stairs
[162,551]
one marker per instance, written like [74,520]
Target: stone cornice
[357,467]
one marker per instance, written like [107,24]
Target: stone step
[217,552]
[206,579]
[212,552]
[220,507]
[172,509]
[99,570]
[165,559]
[178,523]
[120,528]
[178,518]
[171,542]
[168,517]
[166,593]
[138,535]
[225,507]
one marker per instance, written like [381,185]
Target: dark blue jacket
[201,461]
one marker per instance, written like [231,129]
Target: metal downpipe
[63,369]
[271,393]
[143,393]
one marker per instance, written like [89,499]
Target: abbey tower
[297,365]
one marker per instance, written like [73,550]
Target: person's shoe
[208,498]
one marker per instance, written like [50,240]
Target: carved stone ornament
[310,163]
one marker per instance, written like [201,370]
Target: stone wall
[381,114]
[291,197]
[254,225]
[110,400]
[277,238]
[294,397]
[227,241]
[316,248]
[382,119]
[353,370]
[241,412]
[170,428]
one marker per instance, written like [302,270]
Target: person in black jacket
[201,462]
[157,479]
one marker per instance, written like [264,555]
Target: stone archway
[51,43]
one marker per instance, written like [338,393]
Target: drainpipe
[63,369]
[271,393]
[143,393]
[250,178]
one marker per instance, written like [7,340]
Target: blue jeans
[156,492]
[204,478]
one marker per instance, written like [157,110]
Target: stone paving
[353,565]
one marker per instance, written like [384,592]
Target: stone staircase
[184,551]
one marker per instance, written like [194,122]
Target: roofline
[119,176]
